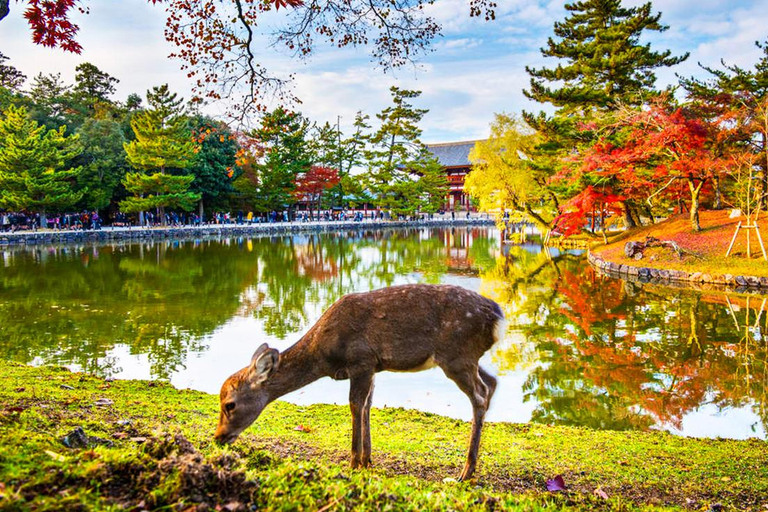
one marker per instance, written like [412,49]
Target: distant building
[454,157]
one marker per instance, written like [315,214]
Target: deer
[405,328]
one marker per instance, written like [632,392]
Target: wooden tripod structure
[752,216]
[748,227]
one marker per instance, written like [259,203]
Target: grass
[708,246]
[161,457]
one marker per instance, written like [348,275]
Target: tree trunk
[200,210]
[649,211]
[695,193]
[718,203]
[629,222]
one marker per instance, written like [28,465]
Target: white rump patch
[500,330]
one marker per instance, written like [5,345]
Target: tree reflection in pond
[613,355]
[589,350]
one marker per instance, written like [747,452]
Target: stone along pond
[582,349]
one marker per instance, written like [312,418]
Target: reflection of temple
[454,157]
[457,244]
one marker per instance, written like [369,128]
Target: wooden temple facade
[454,157]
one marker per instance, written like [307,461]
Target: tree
[283,138]
[102,160]
[50,95]
[504,177]
[216,45]
[602,65]
[163,143]
[215,166]
[92,90]
[606,64]
[738,98]
[33,165]
[402,176]
[311,185]
[659,147]
[10,77]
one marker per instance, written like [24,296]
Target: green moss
[162,457]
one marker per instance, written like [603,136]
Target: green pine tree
[283,135]
[740,95]
[164,144]
[401,176]
[33,165]
[605,62]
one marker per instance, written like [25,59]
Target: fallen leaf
[449,480]
[19,390]
[303,428]
[55,456]
[15,409]
[600,493]
[67,387]
[556,484]
[120,435]
[139,439]
[103,402]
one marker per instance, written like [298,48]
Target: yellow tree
[506,176]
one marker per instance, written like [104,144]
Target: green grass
[162,457]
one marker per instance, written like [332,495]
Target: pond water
[581,350]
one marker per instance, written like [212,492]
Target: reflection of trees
[614,356]
[75,304]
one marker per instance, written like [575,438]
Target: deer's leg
[479,386]
[365,456]
[360,388]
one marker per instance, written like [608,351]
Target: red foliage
[590,203]
[49,21]
[313,183]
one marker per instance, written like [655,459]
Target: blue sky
[477,68]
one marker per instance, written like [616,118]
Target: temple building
[454,157]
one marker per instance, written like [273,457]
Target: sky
[477,68]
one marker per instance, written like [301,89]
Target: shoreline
[111,234]
[700,281]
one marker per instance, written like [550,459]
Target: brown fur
[401,328]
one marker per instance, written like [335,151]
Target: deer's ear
[263,363]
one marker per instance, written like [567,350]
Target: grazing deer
[403,328]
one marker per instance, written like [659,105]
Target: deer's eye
[229,406]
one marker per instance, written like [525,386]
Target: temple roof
[452,154]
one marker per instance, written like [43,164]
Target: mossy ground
[161,457]
[708,247]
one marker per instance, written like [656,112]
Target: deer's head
[243,395]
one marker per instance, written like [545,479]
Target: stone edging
[139,234]
[677,277]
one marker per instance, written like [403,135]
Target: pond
[582,349]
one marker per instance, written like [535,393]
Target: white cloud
[477,69]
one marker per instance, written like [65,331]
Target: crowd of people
[19,221]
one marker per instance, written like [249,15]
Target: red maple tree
[660,150]
[311,185]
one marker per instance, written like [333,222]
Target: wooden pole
[733,240]
[760,240]
[749,252]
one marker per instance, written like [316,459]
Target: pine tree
[401,176]
[283,135]
[163,143]
[214,169]
[605,62]
[10,77]
[33,165]
[740,97]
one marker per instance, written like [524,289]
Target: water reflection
[607,354]
[583,349]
